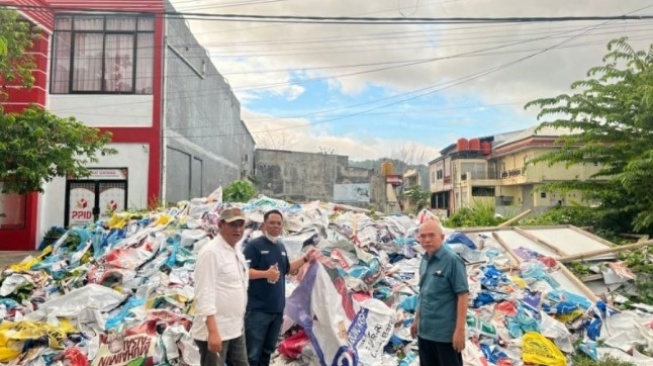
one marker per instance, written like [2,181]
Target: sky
[403,90]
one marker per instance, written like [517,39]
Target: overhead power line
[418,93]
[344,20]
[216,92]
[429,90]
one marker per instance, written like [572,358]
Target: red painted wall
[124,5]
[19,98]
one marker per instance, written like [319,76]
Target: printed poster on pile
[126,350]
[342,331]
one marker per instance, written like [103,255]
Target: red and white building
[103,63]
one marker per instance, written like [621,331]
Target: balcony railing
[479,175]
[511,173]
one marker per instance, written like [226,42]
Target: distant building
[414,177]
[494,170]
[302,176]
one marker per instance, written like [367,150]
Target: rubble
[120,292]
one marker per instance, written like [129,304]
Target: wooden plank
[505,247]
[542,227]
[479,229]
[594,253]
[515,219]
[592,236]
[586,290]
[593,277]
[534,238]
[639,237]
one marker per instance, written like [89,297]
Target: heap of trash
[120,292]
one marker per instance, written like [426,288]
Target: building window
[103,54]
[483,191]
[542,194]
[12,210]
[440,174]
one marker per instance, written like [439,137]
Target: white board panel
[570,241]
[515,240]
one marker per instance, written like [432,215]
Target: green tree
[418,197]
[239,191]
[35,145]
[478,214]
[610,119]
[16,37]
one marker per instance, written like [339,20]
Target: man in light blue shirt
[442,309]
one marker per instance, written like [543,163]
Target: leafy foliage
[239,191]
[611,124]
[418,197]
[37,146]
[580,269]
[480,214]
[398,165]
[565,215]
[16,37]
[580,359]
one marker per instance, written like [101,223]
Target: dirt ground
[8,258]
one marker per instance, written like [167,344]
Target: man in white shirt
[221,281]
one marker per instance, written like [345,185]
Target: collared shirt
[442,278]
[221,280]
[264,296]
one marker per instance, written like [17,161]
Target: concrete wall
[540,172]
[104,110]
[301,176]
[436,184]
[206,144]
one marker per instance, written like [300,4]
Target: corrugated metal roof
[511,137]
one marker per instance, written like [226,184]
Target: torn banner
[342,330]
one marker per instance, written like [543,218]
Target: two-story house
[124,67]
[518,180]
[494,170]
[450,172]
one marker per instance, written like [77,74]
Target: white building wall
[104,110]
[134,157]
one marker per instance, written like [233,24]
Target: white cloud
[262,59]
[244,76]
[297,134]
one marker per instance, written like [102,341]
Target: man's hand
[214,342]
[413,329]
[311,255]
[459,339]
[272,274]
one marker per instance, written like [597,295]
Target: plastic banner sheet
[134,347]
[341,331]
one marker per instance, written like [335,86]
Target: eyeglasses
[427,235]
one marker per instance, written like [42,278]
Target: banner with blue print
[342,330]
